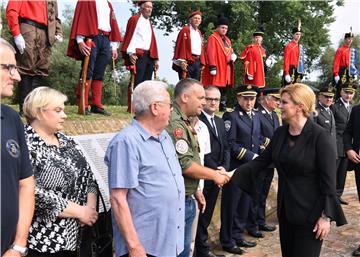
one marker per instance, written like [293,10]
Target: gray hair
[6,44]
[146,93]
[184,85]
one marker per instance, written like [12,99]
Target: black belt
[196,57]
[33,23]
[188,197]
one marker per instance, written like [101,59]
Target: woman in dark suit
[305,159]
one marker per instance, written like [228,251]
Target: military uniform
[341,114]
[244,136]
[187,148]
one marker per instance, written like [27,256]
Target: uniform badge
[181,146]
[178,133]
[263,112]
[241,113]
[227,125]
[13,148]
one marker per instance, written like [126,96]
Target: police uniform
[269,123]
[341,114]
[243,132]
[187,148]
[324,116]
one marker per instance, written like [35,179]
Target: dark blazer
[326,120]
[341,116]
[351,133]
[243,134]
[220,152]
[306,177]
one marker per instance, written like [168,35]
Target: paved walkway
[340,242]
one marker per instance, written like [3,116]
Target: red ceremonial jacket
[253,58]
[130,28]
[342,59]
[291,56]
[183,47]
[219,56]
[85,24]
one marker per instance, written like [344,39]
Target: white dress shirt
[142,36]
[195,41]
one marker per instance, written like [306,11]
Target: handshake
[221,176]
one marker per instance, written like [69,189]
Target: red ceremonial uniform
[85,24]
[253,59]
[32,10]
[291,56]
[183,47]
[130,28]
[218,55]
[342,59]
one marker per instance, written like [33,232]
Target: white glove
[268,62]
[287,78]
[337,78]
[213,72]
[59,38]
[20,43]
[250,77]
[355,77]
[233,57]
[255,155]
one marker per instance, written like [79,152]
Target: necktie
[348,107]
[213,125]
[328,110]
[250,115]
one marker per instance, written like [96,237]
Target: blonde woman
[65,193]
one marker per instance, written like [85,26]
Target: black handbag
[96,241]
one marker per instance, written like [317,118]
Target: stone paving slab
[340,242]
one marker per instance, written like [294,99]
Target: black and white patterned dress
[62,174]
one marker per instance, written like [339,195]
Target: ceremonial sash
[300,67]
[353,62]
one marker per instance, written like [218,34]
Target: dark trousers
[33,253]
[357,179]
[211,192]
[245,217]
[144,69]
[99,58]
[265,180]
[193,71]
[341,165]
[223,92]
[26,85]
[230,199]
[297,240]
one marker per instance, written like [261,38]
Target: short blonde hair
[301,94]
[40,98]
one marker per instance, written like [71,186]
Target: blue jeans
[190,212]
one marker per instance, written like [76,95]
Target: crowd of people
[167,167]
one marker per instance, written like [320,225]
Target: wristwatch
[22,250]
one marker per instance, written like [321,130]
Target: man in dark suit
[324,116]
[341,110]
[269,123]
[352,146]
[243,131]
[218,158]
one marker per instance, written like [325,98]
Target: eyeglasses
[12,68]
[160,102]
[209,99]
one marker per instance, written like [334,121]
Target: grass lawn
[117,112]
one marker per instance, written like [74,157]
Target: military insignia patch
[178,133]
[13,148]
[227,125]
[263,112]
[181,146]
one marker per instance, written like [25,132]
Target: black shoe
[267,228]
[356,252]
[209,254]
[234,250]
[244,243]
[96,109]
[256,234]
[87,112]
[342,201]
